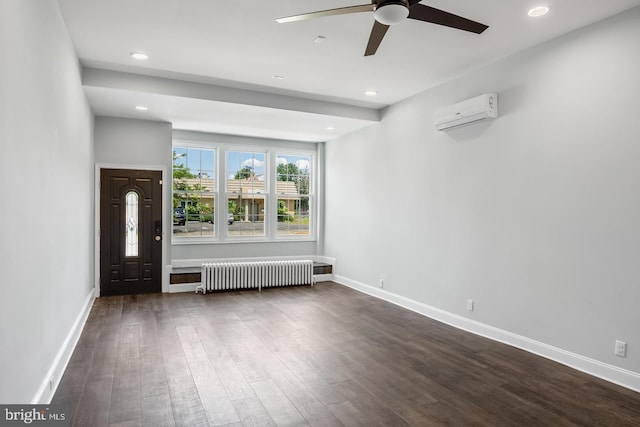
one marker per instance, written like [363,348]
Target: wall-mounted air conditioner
[472,110]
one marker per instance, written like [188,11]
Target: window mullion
[271,210]
[221,198]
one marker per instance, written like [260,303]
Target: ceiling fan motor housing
[391,12]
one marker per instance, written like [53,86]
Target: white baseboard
[614,374]
[50,382]
[183,287]
[323,277]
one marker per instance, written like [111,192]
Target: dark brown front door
[130,231]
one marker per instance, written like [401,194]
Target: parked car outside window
[179,216]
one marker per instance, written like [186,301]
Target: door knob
[158,238]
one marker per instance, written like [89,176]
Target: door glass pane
[131,224]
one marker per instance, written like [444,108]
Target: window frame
[221,228]
[311,195]
[267,191]
[216,192]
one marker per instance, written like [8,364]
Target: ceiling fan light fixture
[391,13]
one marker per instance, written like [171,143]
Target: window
[292,191]
[246,192]
[194,192]
[231,193]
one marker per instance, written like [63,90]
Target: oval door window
[131,224]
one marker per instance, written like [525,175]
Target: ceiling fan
[390,12]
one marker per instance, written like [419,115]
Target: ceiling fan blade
[330,12]
[424,13]
[377,34]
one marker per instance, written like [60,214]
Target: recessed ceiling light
[140,56]
[278,77]
[538,11]
[142,107]
[319,39]
[371,93]
[330,128]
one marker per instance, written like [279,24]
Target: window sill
[235,241]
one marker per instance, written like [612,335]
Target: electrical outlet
[470,304]
[621,348]
[381,283]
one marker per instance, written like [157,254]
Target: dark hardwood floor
[322,355]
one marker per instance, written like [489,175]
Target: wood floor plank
[214,397]
[252,412]
[185,402]
[156,409]
[313,410]
[131,423]
[211,391]
[228,373]
[613,399]
[323,355]
[367,403]
[280,408]
[126,393]
[349,415]
[94,406]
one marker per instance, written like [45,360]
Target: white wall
[46,170]
[137,144]
[132,143]
[535,216]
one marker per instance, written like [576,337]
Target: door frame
[166,232]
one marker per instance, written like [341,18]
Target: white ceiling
[230,51]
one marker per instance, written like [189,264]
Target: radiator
[255,274]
